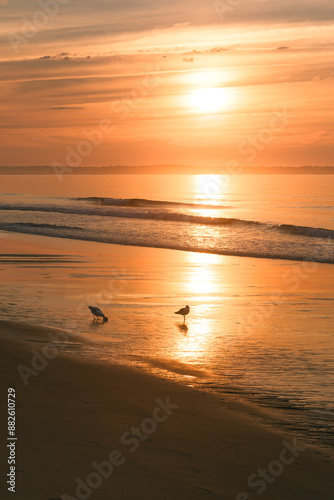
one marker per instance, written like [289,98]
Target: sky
[143,82]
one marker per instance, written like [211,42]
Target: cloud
[65,107]
[217,50]
[315,137]
[193,52]
[92,54]
[213,50]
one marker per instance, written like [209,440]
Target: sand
[156,439]
[74,413]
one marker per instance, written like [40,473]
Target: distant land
[165,169]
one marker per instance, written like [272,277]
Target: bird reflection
[183,327]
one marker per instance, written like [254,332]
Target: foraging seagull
[183,311]
[96,312]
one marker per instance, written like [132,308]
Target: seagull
[96,312]
[183,311]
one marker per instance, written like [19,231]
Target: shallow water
[254,330]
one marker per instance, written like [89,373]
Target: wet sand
[166,441]
[73,413]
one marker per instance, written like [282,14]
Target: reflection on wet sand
[183,327]
[234,338]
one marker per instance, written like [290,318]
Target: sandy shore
[91,429]
[165,441]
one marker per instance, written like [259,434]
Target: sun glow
[211,100]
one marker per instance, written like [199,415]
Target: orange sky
[180,82]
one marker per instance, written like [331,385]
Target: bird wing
[98,312]
[181,311]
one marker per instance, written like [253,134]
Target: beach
[74,413]
[82,398]
[166,250]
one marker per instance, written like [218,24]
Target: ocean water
[260,328]
[278,217]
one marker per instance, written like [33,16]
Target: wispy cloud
[65,107]
[91,55]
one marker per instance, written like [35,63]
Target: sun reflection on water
[197,339]
[202,279]
[211,188]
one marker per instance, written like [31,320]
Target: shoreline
[203,449]
[46,338]
[234,254]
[58,266]
[171,170]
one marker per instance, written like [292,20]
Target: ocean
[261,323]
[277,217]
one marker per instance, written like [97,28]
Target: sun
[211,100]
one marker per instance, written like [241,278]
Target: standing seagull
[98,313]
[183,311]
